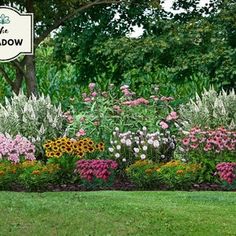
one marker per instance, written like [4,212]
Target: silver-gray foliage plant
[210,110]
[35,118]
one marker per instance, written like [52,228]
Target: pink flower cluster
[136,102]
[227,171]
[90,97]
[80,133]
[171,117]
[14,149]
[211,140]
[126,91]
[90,169]
[69,118]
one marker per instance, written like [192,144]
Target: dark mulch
[123,186]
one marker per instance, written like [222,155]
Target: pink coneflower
[92,86]
[194,145]
[186,141]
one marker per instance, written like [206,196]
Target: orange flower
[179,172]
[36,172]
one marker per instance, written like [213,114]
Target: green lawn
[118,213]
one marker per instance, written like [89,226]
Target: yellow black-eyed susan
[91,149]
[68,149]
[58,154]
[100,147]
[63,148]
[47,145]
[55,148]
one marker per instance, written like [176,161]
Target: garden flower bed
[115,141]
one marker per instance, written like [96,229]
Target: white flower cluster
[142,145]
[34,118]
[210,110]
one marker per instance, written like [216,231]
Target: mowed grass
[118,213]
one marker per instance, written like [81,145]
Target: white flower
[128,142]
[156,144]
[142,142]
[112,142]
[115,142]
[145,148]
[141,133]
[111,149]
[117,155]
[143,156]
[114,133]
[150,141]
[118,147]
[144,128]
[124,159]
[117,129]
[122,141]
[136,150]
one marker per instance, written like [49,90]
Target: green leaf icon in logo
[4,19]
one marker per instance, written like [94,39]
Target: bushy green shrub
[171,175]
[35,118]
[210,110]
[143,174]
[27,175]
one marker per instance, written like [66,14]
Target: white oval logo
[16,34]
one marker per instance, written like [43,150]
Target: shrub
[36,175]
[172,175]
[179,175]
[96,172]
[16,149]
[227,173]
[8,174]
[210,110]
[143,174]
[29,175]
[34,118]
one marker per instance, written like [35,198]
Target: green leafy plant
[143,174]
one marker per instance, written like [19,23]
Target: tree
[48,16]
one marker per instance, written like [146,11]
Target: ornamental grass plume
[15,149]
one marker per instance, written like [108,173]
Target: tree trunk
[18,81]
[30,78]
